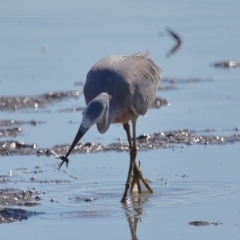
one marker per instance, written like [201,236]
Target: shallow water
[50,46]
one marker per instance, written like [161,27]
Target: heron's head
[97,111]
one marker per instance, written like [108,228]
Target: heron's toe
[64,159]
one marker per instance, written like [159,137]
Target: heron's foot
[124,197]
[137,178]
[64,160]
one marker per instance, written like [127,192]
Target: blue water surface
[50,46]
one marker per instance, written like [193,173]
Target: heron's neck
[106,119]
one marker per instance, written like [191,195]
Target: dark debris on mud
[10,128]
[12,122]
[168,83]
[169,139]
[16,148]
[204,223]
[160,102]
[84,199]
[13,132]
[229,64]
[17,197]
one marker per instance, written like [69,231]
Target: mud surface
[34,102]
[145,142]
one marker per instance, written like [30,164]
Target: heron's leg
[126,127]
[137,173]
[133,153]
[135,179]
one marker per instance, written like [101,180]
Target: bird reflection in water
[135,209]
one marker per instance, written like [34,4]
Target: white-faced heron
[118,89]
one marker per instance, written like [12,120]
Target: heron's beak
[79,135]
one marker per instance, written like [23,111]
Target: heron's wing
[132,81]
[143,76]
[143,54]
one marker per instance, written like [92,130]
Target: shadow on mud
[10,215]
[17,198]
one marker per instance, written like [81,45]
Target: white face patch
[92,114]
[95,110]
[86,122]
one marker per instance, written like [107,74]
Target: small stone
[88,200]
[37,198]
[33,178]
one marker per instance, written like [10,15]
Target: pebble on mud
[33,178]
[144,136]
[37,198]
[88,200]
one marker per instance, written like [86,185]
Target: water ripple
[102,199]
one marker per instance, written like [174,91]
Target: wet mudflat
[188,142]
